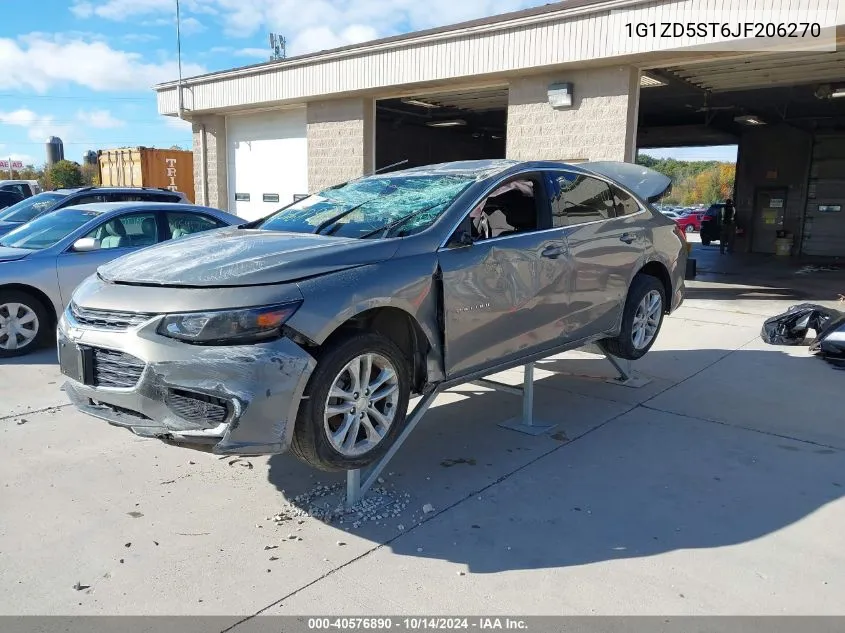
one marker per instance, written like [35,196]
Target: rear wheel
[356,405]
[24,322]
[705,241]
[690,228]
[641,319]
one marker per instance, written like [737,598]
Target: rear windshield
[47,230]
[27,209]
[361,207]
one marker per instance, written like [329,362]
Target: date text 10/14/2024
[417,624]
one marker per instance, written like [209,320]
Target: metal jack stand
[526,424]
[627,376]
[355,489]
[358,482]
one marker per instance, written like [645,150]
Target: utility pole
[179,58]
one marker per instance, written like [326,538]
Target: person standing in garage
[728,232]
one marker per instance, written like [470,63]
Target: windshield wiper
[254,223]
[392,225]
[326,223]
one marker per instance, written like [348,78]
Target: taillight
[679,232]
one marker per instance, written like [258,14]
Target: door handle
[628,238]
[552,252]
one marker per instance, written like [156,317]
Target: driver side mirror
[85,244]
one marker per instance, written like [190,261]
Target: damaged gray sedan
[310,330]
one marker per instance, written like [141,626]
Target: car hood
[5,227]
[648,184]
[243,257]
[8,254]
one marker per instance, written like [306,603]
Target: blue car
[43,261]
[30,208]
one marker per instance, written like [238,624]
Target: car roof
[479,169]
[72,190]
[107,207]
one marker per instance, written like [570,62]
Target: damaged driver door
[505,275]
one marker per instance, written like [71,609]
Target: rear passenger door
[602,228]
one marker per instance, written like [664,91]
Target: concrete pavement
[715,489]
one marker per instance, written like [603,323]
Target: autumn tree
[90,174]
[63,174]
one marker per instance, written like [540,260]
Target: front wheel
[705,241]
[357,399]
[24,323]
[641,319]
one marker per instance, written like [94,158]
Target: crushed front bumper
[228,400]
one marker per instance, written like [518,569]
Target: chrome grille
[108,319]
[197,407]
[116,369]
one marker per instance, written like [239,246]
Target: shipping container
[148,167]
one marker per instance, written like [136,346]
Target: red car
[690,222]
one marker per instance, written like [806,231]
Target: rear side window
[88,200]
[578,199]
[144,196]
[182,224]
[625,203]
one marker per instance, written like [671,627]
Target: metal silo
[55,150]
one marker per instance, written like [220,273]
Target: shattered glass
[379,201]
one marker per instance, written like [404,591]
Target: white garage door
[267,161]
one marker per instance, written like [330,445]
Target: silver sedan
[43,261]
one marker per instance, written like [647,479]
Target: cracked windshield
[388,207]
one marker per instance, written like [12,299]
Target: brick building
[497,87]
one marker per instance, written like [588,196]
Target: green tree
[90,174]
[64,174]
[693,182]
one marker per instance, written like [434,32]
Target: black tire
[623,345]
[43,322]
[310,442]
[705,241]
[690,228]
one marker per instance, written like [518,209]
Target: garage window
[579,199]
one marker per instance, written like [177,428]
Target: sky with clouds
[83,70]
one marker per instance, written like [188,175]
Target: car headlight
[222,327]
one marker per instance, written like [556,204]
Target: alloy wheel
[361,405]
[18,326]
[647,319]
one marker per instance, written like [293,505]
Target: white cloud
[121,10]
[39,62]
[313,25]
[100,119]
[319,38]
[39,127]
[189,26]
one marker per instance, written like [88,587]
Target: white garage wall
[267,155]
